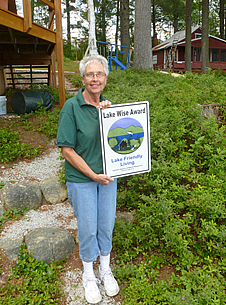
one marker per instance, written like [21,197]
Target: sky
[75,34]
[124,123]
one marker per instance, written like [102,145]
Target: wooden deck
[23,42]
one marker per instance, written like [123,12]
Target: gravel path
[59,215]
[36,170]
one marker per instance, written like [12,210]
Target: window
[197,54]
[198,35]
[223,55]
[214,54]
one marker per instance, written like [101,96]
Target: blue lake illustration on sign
[125,136]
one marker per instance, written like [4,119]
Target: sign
[154,59]
[125,139]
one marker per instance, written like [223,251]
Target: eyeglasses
[98,75]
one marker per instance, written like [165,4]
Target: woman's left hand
[104,104]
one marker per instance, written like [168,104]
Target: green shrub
[38,282]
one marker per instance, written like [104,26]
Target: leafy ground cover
[179,207]
[174,250]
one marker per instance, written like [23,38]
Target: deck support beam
[59,53]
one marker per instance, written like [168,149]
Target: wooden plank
[36,43]
[23,61]
[11,70]
[31,73]
[51,19]
[12,38]
[29,56]
[25,40]
[59,53]
[27,15]
[52,72]
[5,77]
[49,3]
[54,83]
[45,68]
[11,20]
[16,22]
[43,33]
[49,76]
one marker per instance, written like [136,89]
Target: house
[170,55]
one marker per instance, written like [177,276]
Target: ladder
[171,54]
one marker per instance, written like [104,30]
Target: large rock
[49,244]
[18,196]
[11,247]
[53,190]
[125,216]
[211,110]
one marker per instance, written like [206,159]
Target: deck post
[27,15]
[59,53]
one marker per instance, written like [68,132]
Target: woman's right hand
[104,179]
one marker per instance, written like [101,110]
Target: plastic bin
[25,102]
[3,108]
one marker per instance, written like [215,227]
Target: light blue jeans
[94,206]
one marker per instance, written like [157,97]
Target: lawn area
[174,250]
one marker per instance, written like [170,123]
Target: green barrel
[25,102]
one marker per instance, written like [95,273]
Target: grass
[179,207]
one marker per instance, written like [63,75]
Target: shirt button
[95,111]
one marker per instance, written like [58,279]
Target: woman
[91,193]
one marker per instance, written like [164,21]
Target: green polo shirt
[79,128]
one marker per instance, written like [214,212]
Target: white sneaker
[110,283]
[92,292]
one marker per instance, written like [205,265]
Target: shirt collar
[81,100]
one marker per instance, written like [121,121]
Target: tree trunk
[117,22]
[92,32]
[124,24]
[103,27]
[205,37]
[221,19]
[153,18]
[103,24]
[142,35]
[188,36]
[175,22]
[68,22]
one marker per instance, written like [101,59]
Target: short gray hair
[93,58]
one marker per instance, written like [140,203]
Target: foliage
[32,282]
[71,66]
[11,214]
[173,252]
[69,52]
[11,147]
[179,207]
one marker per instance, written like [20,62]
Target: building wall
[160,59]
[181,53]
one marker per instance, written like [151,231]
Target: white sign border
[102,133]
